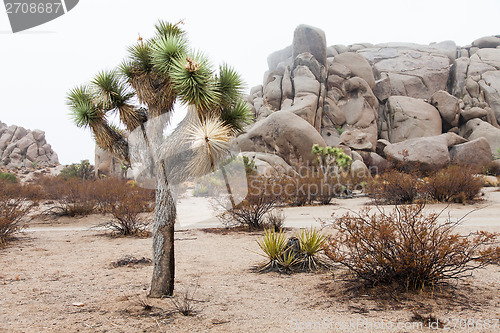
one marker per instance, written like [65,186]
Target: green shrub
[84,170]
[69,171]
[329,157]
[8,177]
[250,166]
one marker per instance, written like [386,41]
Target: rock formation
[106,163]
[436,103]
[20,147]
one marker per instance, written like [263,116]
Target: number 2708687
[33,8]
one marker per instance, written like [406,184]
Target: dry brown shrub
[274,220]
[408,247]
[311,187]
[71,197]
[395,187]
[125,202]
[52,187]
[454,183]
[13,208]
[108,191]
[253,210]
[127,220]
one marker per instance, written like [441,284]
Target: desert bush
[395,187]
[184,303]
[13,208]
[108,191]
[52,187]
[408,247]
[32,192]
[307,189]
[76,197]
[124,201]
[8,177]
[251,212]
[71,197]
[454,183]
[312,186]
[83,170]
[126,210]
[274,220]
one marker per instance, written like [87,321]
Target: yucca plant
[287,261]
[275,247]
[301,253]
[157,73]
[312,243]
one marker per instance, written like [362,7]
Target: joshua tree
[158,73]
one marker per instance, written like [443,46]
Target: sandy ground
[58,277]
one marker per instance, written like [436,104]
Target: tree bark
[162,283]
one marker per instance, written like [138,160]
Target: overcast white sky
[39,66]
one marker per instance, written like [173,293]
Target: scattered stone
[487,42]
[447,105]
[475,152]
[310,39]
[428,153]
[411,118]
[472,113]
[282,133]
[476,128]
[359,172]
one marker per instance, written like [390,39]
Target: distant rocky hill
[432,104]
[20,147]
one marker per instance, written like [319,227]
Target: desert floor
[58,276]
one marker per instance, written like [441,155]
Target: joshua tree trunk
[165,214]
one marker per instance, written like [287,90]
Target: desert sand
[58,277]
